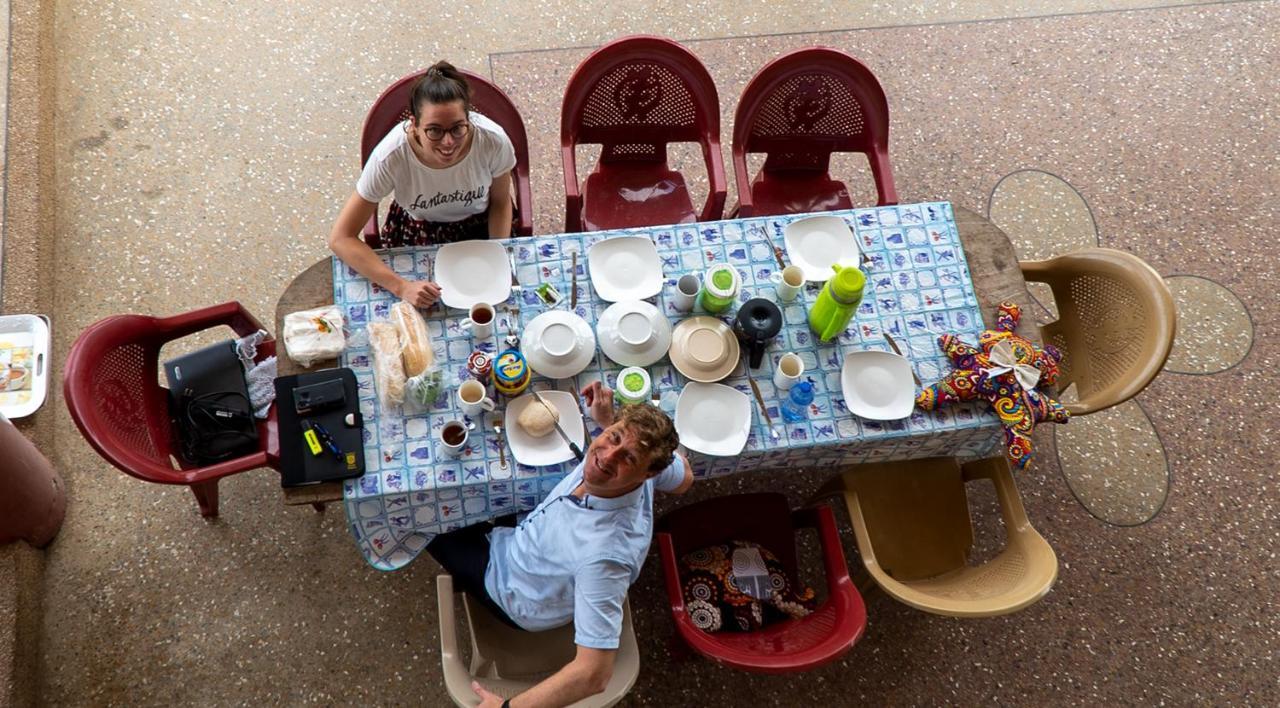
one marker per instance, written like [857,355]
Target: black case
[298,467]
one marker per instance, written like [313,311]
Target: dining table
[931,269]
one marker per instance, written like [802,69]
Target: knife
[898,351]
[573,447]
[763,410]
[573,295]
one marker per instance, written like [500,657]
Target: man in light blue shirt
[574,556]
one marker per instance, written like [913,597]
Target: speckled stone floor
[204,151]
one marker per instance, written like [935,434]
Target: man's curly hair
[653,431]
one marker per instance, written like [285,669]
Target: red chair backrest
[805,105]
[392,107]
[635,95]
[763,518]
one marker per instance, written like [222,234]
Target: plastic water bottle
[796,406]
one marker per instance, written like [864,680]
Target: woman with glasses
[448,170]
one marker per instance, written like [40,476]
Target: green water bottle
[837,302]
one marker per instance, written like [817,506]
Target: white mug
[453,438]
[481,320]
[788,282]
[472,399]
[789,370]
[686,292]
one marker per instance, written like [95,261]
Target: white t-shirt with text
[438,195]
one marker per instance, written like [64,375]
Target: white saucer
[877,385]
[704,349]
[625,268]
[548,449]
[633,333]
[816,243]
[473,271]
[713,418]
[558,344]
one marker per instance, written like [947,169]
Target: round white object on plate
[713,418]
[704,349]
[558,344]
[625,268]
[549,449]
[877,385]
[473,271]
[633,333]
[816,243]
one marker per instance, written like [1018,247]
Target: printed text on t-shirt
[455,196]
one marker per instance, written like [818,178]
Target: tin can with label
[479,365]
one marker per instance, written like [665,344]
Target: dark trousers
[464,553]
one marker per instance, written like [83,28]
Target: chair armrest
[450,659]
[371,234]
[671,572]
[883,173]
[742,182]
[524,197]
[997,470]
[572,195]
[230,313]
[823,520]
[719,186]
[1036,271]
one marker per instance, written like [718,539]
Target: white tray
[22,331]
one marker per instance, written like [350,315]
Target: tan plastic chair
[1115,327]
[911,522]
[508,661]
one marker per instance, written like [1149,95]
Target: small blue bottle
[795,408]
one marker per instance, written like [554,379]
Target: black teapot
[758,321]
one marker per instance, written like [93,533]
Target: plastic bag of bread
[388,369]
[314,335]
[414,338]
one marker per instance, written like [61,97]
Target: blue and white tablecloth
[918,288]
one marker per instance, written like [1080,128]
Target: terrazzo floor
[198,164]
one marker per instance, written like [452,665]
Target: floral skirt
[400,229]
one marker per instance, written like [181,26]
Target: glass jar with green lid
[719,288]
[633,386]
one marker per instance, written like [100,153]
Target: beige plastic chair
[911,522]
[1115,327]
[508,661]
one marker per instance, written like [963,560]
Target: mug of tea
[790,368]
[453,438]
[472,399]
[757,323]
[480,321]
[787,282]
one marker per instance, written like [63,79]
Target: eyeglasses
[435,133]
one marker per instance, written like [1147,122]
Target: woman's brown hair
[442,83]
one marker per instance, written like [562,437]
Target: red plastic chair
[633,96]
[798,109]
[793,645]
[111,388]
[392,108]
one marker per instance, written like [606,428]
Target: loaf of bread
[414,339]
[537,419]
[388,369]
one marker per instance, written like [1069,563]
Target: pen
[327,439]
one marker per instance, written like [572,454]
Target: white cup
[685,292]
[453,438]
[480,321]
[472,399]
[788,282]
[789,370]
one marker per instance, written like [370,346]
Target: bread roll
[537,419]
[388,370]
[415,340]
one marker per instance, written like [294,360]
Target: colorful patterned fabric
[716,604]
[1019,408]
[400,229]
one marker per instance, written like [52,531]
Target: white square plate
[816,243]
[473,271]
[625,268]
[877,385]
[713,418]
[550,448]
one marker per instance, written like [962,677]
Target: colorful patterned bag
[715,601]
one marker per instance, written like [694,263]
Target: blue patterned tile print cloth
[918,287]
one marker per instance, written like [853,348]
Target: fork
[502,445]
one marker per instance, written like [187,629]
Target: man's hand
[487,699]
[419,293]
[599,400]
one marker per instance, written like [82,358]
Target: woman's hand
[599,400]
[419,293]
